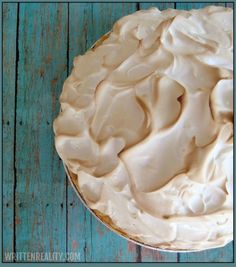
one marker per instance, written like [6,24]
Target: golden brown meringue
[146,124]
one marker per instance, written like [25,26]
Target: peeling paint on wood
[8,95]
[41,212]
[40,177]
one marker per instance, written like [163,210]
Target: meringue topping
[146,124]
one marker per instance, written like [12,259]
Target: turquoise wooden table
[41,212]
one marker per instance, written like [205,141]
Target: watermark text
[41,256]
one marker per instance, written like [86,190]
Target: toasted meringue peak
[146,124]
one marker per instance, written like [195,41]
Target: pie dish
[146,128]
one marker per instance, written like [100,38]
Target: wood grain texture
[43,213]
[224,254]
[88,22]
[40,188]
[8,94]
[79,219]
[189,6]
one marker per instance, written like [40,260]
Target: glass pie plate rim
[107,222]
[101,217]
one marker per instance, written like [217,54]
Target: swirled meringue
[146,124]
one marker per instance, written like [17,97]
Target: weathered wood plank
[94,242]
[41,182]
[189,6]
[149,255]
[224,254]
[8,94]
[79,219]
[214,255]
